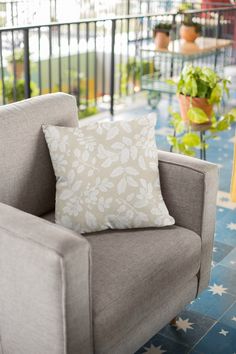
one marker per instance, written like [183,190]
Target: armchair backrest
[27,179]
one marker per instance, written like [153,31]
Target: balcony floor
[207,325]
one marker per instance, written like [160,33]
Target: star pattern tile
[225,278]
[229,317]
[224,201]
[219,340]
[223,332]
[155,350]
[231,226]
[217,289]
[230,259]
[183,324]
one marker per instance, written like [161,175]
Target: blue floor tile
[189,328]
[229,317]
[220,251]
[225,277]
[212,305]
[220,213]
[221,339]
[159,344]
[230,260]
[226,238]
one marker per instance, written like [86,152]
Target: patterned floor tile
[220,213]
[230,260]
[212,304]
[159,344]
[223,278]
[224,200]
[221,339]
[190,327]
[229,317]
[220,251]
[226,229]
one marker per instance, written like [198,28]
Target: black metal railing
[27,12]
[97,60]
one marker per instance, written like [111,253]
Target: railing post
[2,72]
[218,32]
[218,27]
[112,87]
[128,7]
[174,26]
[27,64]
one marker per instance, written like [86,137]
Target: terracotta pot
[19,69]
[188,33]
[185,104]
[162,40]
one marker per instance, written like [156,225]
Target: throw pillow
[107,176]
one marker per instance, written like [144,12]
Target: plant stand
[203,148]
[201,131]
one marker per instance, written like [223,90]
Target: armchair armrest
[189,187]
[45,304]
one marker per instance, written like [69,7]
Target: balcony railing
[27,12]
[97,60]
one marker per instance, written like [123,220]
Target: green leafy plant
[131,72]
[187,142]
[163,27]
[184,141]
[188,17]
[201,83]
[87,112]
[18,56]
[184,7]
[197,82]
[19,89]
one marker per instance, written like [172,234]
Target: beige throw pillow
[107,176]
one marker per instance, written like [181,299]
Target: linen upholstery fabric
[107,176]
[130,267]
[27,179]
[129,280]
[166,307]
[44,287]
[189,188]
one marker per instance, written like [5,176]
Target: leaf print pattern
[107,176]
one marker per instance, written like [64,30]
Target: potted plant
[186,141]
[161,35]
[18,58]
[19,89]
[198,90]
[189,30]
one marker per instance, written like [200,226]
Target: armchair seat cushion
[131,266]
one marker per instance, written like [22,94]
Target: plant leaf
[191,140]
[172,140]
[232,114]
[197,115]
[216,95]
[180,127]
[223,123]
[171,82]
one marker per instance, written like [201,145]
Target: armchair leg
[173,321]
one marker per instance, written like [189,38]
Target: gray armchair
[104,293]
